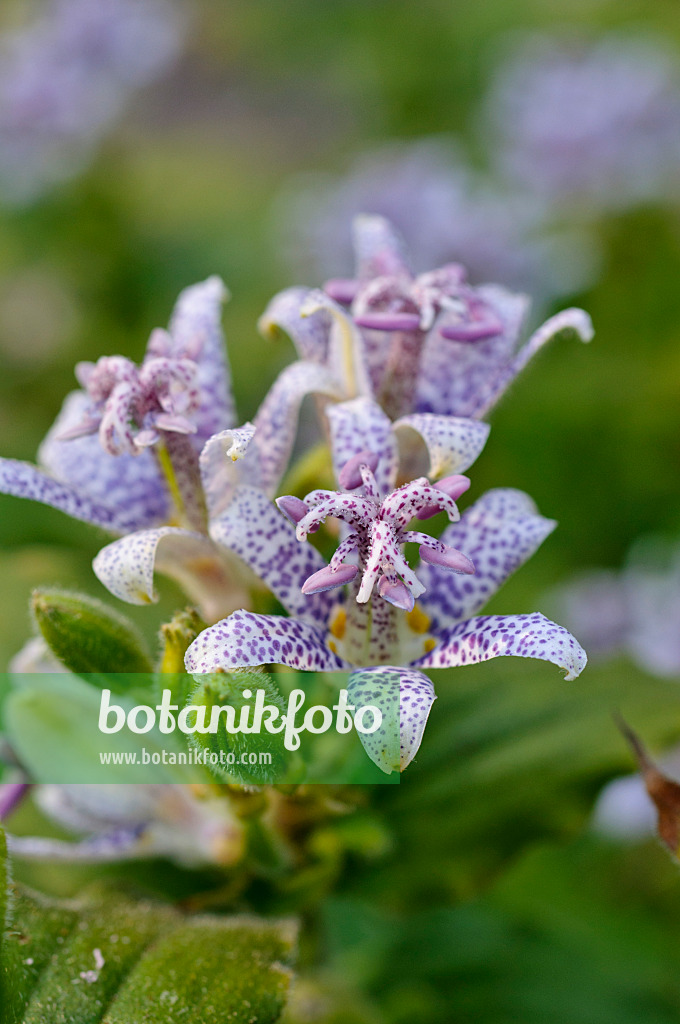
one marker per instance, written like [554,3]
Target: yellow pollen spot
[333,646]
[429,644]
[339,624]
[418,621]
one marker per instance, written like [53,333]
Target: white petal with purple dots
[246,639]
[495,636]
[404,697]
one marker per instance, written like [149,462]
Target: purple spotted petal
[130,485]
[495,636]
[246,639]
[226,461]
[358,425]
[457,376]
[277,417]
[310,334]
[498,533]
[22,480]
[452,443]
[127,568]
[346,359]
[570,323]
[404,697]
[253,528]
[196,333]
[378,249]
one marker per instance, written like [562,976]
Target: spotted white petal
[498,533]
[346,356]
[246,639]
[254,529]
[359,425]
[453,443]
[196,333]
[378,248]
[277,417]
[225,462]
[457,377]
[127,568]
[22,480]
[309,333]
[495,636]
[404,697]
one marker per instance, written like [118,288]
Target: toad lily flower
[377,622]
[150,452]
[431,343]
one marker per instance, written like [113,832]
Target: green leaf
[87,636]
[108,960]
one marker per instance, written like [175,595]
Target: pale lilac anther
[447,558]
[342,290]
[328,578]
[387,321]
[473,330]
[350,477]
[454,486]
[294,509]
[396,592]
[11,795]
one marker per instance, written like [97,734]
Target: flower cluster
[403,368]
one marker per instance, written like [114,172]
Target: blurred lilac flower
[66,75]
[429,343]
[445,210]
[129,822]
[634,612]
[593,123]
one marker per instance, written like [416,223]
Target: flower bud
[238,753]
[86,636]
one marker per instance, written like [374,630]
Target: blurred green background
[495,904]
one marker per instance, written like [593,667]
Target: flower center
[378,529]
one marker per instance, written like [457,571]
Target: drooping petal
[253,528]
[456,376]
[246,639]
[359,425]
[196,333]
[495,636]
[22,480]
[127,568]
[276,420]
[404,697]
[453,443]
[225,463]
[498,533]
[310,333]
[131,485]
[570,323]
